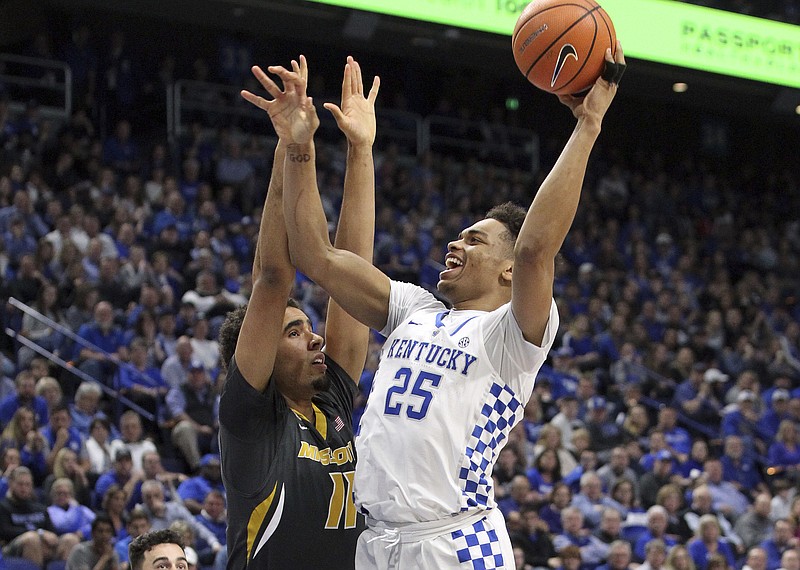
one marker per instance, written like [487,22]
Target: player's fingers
[266,82]
[259,102]
[347,87]
[303,67]
[373,92]
[335,111]
[620,55]
[358,80]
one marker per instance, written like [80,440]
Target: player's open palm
[291,111]
[356,116]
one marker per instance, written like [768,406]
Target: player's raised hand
[596,102]
[356,116]
[291,110]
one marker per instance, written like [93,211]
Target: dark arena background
[132,176]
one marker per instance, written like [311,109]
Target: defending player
[451,384]
[286,435]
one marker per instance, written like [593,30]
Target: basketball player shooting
[451,383]
[286,436]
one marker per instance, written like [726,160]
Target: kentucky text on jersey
[445,357]
[338,456]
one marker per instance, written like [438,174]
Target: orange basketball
[560,45]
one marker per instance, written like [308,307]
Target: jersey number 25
[416,403]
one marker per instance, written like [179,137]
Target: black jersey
[289,485]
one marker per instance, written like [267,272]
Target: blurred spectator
[25,396]
[550,438]
[618,468]
[593,550]
[37,330]
[707,543]
[86,407]
[784,453]
[610,528]
[98,447]
[756,559]
[209,299]
[700,507]
[755,526]
[213,516]
[113,504]
[678,440]
[591,498]
[790,560]
[142,382]
[193,416]
[679,559]
[204,348]
[550,513]
[68,515]
[194,490]
[59,433]
[519,496]
[67,466]
[545,473]
[724,495]
[782,539]
[619,556]
[132,439]
[163,513]
[21,434]
[655,555]
[107,337]
[696,397]
[25,527]
[138,524]
[654,480]
[657,521]
[124,476]
[97,553]
[566,420]
[739,469]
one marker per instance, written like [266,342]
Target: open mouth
[453,264]
[319,362]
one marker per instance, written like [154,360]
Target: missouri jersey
[449,388]
[289,484]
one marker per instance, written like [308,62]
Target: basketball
[560,45]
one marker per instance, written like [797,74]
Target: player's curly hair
[511,216]
[147,541]
[230,328]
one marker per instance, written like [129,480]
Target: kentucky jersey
[449,388]
[289,483]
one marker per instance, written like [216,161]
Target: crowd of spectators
[662,431]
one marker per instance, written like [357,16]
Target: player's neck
[301,406]
[484,303]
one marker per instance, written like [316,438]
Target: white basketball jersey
[449,388]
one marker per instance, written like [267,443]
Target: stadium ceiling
[302,21]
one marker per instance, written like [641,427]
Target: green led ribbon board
[663,31]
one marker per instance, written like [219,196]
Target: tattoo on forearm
[296,155]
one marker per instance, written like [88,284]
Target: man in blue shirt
[781,541]
[677,438]
[108,338]
[25,395]
[194,490]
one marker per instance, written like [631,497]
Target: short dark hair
[230,328]
[100,519]
[512,217]
[147,541]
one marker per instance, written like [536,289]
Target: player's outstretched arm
[273,273]
[353,282]
[346,339]
[553,210]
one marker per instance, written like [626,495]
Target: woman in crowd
[560,498]
[114,501]
[784,453]
[678,558]
[545,473]
[550,438]
[9,460]
[67,466]
[708,543]
[21,433]
[38,331]
[98,448]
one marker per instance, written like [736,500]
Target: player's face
[475,262]
[165,557]
[300,362]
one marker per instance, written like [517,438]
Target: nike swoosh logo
[413,323]
[301,426]
[567,50]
